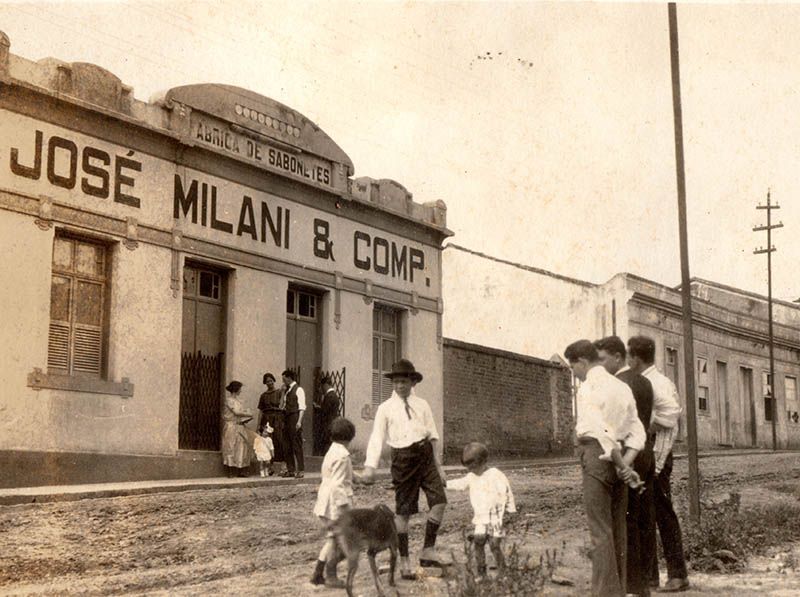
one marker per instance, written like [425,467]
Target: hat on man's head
[404,368]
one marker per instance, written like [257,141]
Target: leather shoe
[285,474]
[674,585]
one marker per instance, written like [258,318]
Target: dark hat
[234,387]
[404,368]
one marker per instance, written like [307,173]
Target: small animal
[370,529]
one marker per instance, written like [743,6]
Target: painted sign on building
[95,175]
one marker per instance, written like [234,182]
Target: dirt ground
[263,541]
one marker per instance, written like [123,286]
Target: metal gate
[338,381]
[199,426]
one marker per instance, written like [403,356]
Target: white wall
[496,304]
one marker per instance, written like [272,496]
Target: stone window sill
[39,380]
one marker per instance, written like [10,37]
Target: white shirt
[666,406]
[489,493]
[666,410]
[336,488]
[301,396]
[393,425]
[607,412]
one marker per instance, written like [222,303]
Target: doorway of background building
[304,351]
[202,347]
[748,404]
[723,404]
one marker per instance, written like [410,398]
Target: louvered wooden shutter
[376,387]
[75,340]
[386,388]
[87,348]
[58,346]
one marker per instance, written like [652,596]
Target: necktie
[408,408]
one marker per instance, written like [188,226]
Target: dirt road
[263,541]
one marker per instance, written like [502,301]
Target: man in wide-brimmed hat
[405,422]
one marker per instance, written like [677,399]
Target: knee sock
[430,533]
[318,578]
[402,544]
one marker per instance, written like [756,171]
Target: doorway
[748,404]
[723,404]
[303,350]
[202,347]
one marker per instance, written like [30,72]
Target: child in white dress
[334,496]
[491,498]
[265,450]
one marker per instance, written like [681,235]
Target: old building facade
[539,313]
[156,250]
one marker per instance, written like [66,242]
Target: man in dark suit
[641,521]
[327,409]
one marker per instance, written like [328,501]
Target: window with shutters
[766,387]
[671,368]
[385,350]
[77,307]
[702,385]
[790,385]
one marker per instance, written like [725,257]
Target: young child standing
[334,496]
[265,450]
[491,497]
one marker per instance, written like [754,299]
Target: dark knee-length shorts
[414,468]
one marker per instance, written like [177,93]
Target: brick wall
[519,406]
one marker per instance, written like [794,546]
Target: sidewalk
[67,493]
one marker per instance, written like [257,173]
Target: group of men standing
[622,519]
[284,407]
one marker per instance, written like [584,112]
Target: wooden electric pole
[686,291]
[769,251]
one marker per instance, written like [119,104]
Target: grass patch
[728,535]
[523,575]
[792,489]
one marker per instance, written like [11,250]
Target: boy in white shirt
[491,497]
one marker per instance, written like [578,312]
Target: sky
[547,128]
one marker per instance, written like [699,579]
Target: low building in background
[531,311]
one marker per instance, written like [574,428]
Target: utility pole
[769,251]
[686,291]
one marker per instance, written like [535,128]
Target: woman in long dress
[235,451]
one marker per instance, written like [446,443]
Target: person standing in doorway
[405,422]
[294,406]
[663,431]
[609,435]
[641,518]
[271,414]
[327,409]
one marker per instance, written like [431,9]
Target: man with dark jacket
[640,520]
[327,409]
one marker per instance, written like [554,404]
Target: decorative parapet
[392,196]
